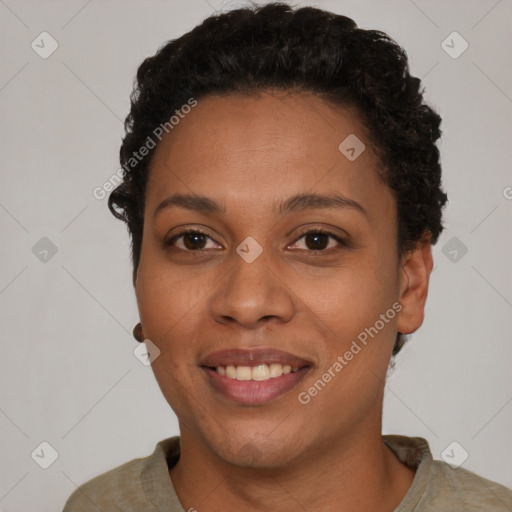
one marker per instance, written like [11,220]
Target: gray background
[68,375]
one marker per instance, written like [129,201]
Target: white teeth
[230,372]
[259,372]
[275,370]
[243,373]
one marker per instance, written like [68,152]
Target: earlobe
[415,271]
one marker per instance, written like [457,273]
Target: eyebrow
[293,204]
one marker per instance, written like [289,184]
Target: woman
[282,189]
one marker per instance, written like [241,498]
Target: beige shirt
[144,485]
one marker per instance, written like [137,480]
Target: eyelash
[343,243]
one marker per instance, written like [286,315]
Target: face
[254,288]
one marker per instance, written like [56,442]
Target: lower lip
[254,392]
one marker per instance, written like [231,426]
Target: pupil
[317,245]
[197,237]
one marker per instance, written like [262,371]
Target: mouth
[259,372]
[254,377]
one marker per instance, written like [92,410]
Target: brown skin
[247,152]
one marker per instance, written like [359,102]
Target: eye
[193,240]
[318,240]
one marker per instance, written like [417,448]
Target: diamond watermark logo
[44,455]
[44,45]
[454,249]
[351,147]
[249,249]
[454,45]
[146,352]
[44,250]
[454,454]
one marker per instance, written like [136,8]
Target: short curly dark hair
[278,47]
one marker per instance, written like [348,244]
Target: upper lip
[253,357]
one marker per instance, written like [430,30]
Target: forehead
[250,150]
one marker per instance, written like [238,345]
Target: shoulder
[439,487]
[130,486]
[458,486]
[119,485]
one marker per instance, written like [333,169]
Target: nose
[252,294]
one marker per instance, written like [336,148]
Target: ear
[416,267]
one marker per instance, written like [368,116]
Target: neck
[356,473]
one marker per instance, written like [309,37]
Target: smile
[253,377]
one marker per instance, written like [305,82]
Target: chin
[256,452]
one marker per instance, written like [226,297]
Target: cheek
[170,300]
[356,313]
[351,299]
[170,307]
